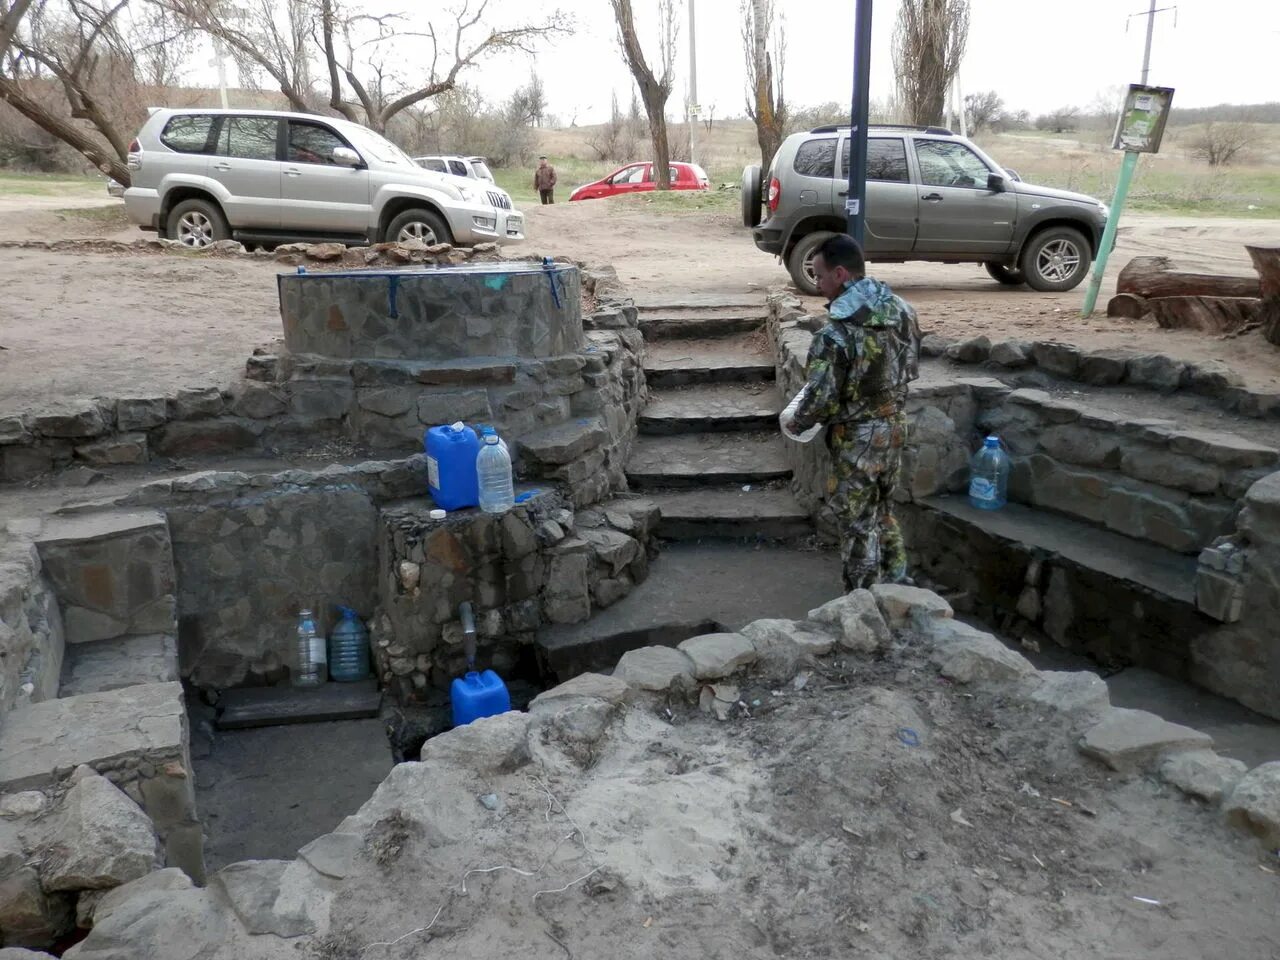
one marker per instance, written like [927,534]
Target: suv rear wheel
[419,224]
[197,224]
[752,198]
[1055,259]
[800,263]
[1009,276]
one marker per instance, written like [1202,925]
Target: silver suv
[266,177]
[931,195]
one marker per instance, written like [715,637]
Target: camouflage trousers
[866,462]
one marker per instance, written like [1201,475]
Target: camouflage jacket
[861,362]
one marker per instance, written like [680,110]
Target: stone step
[714,408]
[698,460]
[270,706]
[649,302]
[730,513]
[694,324]
[115,664]
[676,363]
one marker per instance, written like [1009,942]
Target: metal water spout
[468,618]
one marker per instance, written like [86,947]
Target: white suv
[265,177]
[477,168]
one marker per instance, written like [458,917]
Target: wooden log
[1130,306]
[1207,314]
[1160,277]
[1266,260]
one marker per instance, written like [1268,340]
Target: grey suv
[265,177]
[931,195]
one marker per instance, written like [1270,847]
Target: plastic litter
[438,514]
[909,736]
[789,412]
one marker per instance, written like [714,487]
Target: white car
[475,168]
[264,176]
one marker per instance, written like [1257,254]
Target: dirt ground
[905,818]
[76,326]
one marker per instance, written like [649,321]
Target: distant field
[15,184]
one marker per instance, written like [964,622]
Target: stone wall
[32,639]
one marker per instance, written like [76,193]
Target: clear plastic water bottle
[989,476]
[311,652]
[493,468]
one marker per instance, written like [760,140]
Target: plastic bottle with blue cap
[989,476]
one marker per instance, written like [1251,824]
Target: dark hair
[843,251]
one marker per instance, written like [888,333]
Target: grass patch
[14,184]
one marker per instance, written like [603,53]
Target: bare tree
[766,103]
[710,121]
[85,51]
[1062,120]
[359,50]
[982,110]
[654,88]
[928,45]
[528,105]
[1219,143]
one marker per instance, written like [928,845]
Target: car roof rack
[920,128]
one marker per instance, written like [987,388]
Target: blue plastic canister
[478,695]
[451,466]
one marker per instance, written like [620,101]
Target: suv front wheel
[197,224]
[419,224]
[800,262]
[1055,260]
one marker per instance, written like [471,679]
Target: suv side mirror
[995,183]
[346,157]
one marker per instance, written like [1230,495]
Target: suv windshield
[382,148]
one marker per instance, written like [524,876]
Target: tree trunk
[655,105]
[1206,314]
[1160,277]
[1266,260]
[1129,306]
[67,131]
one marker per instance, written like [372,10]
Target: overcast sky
[1037,54]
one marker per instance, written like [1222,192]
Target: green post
[1127,167]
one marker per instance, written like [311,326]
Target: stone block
[518,538]
[1076,444]
[202,438]
[126,725]
[1133,741]
[857,615]
[28,915]
[99,838]
[114,664]
[1212,378]
[1170,469]
[934,345]
[264,368]
[13,430]
[257,401]
[388,401]
[1202,774]
[252,887]
[974,350]
[449,406]
[20,463]
[803,638]
[610,590]
[1150,515]
[902,605]
[612,548]
[84,420]
[196,403]
[321,398]
[1260,519]
[126,448]
[981,658]
[176,925]
[141,413]
[1012,354]
[1224,449]
[1059,359]
[564,443]
[1219,595]
[656,668]
[1254,804]
[1156,372]
[567,598]
[594,686]
[1070,692]
[718,655]
[1102,368]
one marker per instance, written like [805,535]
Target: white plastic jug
[789,412]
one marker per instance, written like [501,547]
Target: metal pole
[856,199]
[964,123]
[693,85]
[221,55]
[1146,53]
[1127,167]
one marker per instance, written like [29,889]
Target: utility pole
[220,59]
[855,204]
[692,112]
[1151,29]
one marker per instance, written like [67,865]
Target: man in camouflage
[859,366]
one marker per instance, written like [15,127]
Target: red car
[638,178]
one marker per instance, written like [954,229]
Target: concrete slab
[114,664]
[688,325]
[695,589]
[706,460]
[669,301]
[729,512]
[272,706]
[145,721]
[711,408]
[673,363]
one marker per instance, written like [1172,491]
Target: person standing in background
[544,181]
